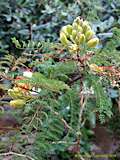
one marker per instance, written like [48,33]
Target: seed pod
[93,42]
[89,34]
[63,38]
[18,103]
[74,34]
[81,38]
[69,29]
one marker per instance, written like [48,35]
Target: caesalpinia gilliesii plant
[79,39]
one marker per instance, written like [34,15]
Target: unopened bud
[75,25]
[69,29]
[18,103]
[93,42]
[85,26]
[89,34]
[81,38]
[63,38]
[79,29]
[64,30]
[74,34]
[77,40]
[79,21]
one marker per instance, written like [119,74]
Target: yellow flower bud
[79,29]
[75,25]
[85,26]
[16,93]
[69,29]
[93,42]
[78,20]
[89,34]
[18,103]
[64,30]
[88,28]
[63,38]
[77,40]
[74,34]
[81,38]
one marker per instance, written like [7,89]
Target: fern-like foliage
[39,80]
[36,46]
[59,70]
[9,61]
[54,136]
[50,135]
[103,102]
[70,100]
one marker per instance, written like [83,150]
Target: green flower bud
[93,42]
[63,38]
[89,34]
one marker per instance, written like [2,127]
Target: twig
[34,116]
[74,79]
[3,76]
[17,154]
[65,123]
[64,142]
[62,119]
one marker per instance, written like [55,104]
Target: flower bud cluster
[78,35]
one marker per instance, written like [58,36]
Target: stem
[81,112]
[83,99]
[82,105]
[17,154]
